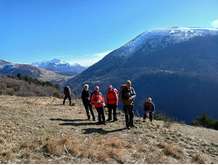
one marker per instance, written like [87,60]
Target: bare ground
[41,130]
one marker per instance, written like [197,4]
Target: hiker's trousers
[101,117]
[148,114]
[88,108]
[67,97]
[128,110]
[112,109]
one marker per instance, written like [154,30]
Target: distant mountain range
[178,67]
[8,68]
[61,67]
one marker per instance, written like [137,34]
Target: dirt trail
[41,130]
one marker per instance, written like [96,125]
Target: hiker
[86,99]
[112,102]
[149,108]
[128,95]
[97,100]
[67,94]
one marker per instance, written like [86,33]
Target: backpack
[124,92]
[67,90]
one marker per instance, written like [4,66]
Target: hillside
[22,87]
[41,130]
[176,66]
[11,69]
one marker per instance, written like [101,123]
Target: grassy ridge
[27,86]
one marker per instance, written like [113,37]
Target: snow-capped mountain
[178,67]
[61,67]
[12,69]
[160,38]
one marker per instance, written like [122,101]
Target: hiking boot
[114,120]
[98,123]
[133,126]
[109,119]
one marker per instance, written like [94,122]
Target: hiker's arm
[153,107]
[145,108]
[133,94]
[82,95]
[117,99]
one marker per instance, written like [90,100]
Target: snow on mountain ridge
[164,37]
[55,62]
[60,66]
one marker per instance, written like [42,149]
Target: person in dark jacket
[149,108]
[86,99]
[67,94]
[128,95]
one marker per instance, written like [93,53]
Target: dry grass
[199,158]
[156,158]
[41,130]
[168,124]
[97,149]
[172,150]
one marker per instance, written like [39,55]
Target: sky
[84,31]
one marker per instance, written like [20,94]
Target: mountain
[61,67]
[11,69]
[2,63]
[178,67]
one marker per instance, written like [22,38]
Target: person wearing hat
[86,99]
[97,100]
[112,102]
[149,108]
[128,96]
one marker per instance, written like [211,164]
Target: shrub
[56,94]
[163,117]
[205,121]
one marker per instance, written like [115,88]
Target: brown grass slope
[41,130]
[14,86]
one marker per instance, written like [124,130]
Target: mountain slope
[7,68]
[61,67]
[20,87]
[177,67]
[41,130]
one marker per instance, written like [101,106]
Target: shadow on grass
[67,120]
[100,130]
[57,104]
[73,122]
[77,124]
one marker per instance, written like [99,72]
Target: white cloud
[88,60]
[214,23]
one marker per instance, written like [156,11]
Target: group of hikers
[97,100]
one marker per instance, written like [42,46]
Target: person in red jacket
[97,100]
[112,102]
[149,109]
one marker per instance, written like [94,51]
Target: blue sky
[84,31]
